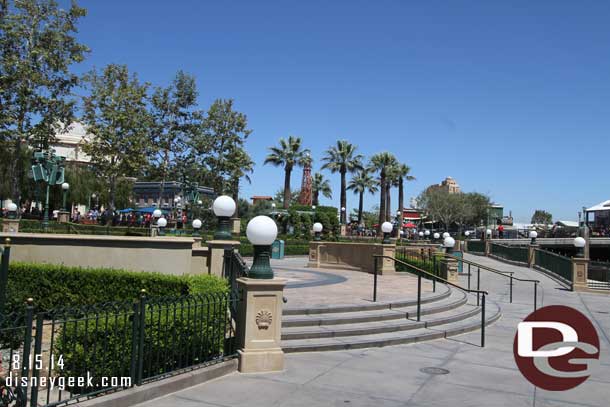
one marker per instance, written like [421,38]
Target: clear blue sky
[511,98]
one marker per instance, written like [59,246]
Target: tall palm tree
[320,185]
[382,162]
[362,182]
[288,154]
[241,165]
[402,173]
[342,158]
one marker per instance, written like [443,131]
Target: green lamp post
[12,210]
[223,207]
[533,236]
[386,228]
[317,229]
[448,244]
[261,232]
[48,168]
[161,224]
[580,244]
[196,227]
[65,187]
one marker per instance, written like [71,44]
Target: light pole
[580,244]
[448,244]
[446,235]
[224,207]
[488,233]
[196,227]
[421,235]
[317,229]
[12,210]
[436,236]
[467,234]
[427,234]
[65,187]
[261,232]
[343,218]
[533,236]
[386,228]
[161,224]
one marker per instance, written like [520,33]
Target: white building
[69,143]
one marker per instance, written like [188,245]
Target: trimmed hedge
[54,286]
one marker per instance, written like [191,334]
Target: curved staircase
[443,314]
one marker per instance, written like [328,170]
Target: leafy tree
[320,185]
[382,163]
[542,217]
[175,123]
[288,155]
[362,182]
[116,114]
[342,158]
[37,47]
[220,149]
[279,198]
[440,205]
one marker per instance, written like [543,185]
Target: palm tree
[342,158]
[288,154]
[362,182]
[382,162]
[401,173]
[320,185]
[241,165]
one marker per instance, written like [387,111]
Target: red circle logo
[556,348]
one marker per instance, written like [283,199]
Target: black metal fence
[555,264]
[475,246]
[518,254]
[72,354]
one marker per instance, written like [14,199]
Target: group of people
[116,218]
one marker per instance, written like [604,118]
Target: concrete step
[368,328]
[442,292]
[455,299]
[443,329]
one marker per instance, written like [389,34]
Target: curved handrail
[502,273]
[431,275]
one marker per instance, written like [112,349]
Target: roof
[262,197]
[603,206]
[567,223]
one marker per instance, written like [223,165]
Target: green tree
[288,155]
[542,217]
[382,163]
[37,48]
[241,167]
[320,185]
[116,114]
[342,158]
[175,123]
[362,182]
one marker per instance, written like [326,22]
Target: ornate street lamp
[446,235]
[65,187]
[386,228]
[12,210]
[162,223]
[436,236]
[533,236]
[580,244]
[224,207]
[317,229]
[157,214]
[421,235]
[427,233]
[448,244]
[261,232]
[196,227]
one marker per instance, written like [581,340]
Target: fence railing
[513,253]
[476,246]
[557,265]
[71,354]
[599,275]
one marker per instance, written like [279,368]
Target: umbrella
[410,225]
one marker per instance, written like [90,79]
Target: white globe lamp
[427,233]
[317,230]
[196,227]
[421,234]
[386,228]
[448,244]
[12,210]
[65,187]
[261,232]
[580,244]
[533,236]
[446,234]
[162,223]
[436,236]
[157,213]
[223,207]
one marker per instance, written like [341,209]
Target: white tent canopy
[604,206]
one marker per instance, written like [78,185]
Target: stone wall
[351,256]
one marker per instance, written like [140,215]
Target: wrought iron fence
[476,246]
[555,264]
[72,354]
[599,275]
[234,267]
[514,253]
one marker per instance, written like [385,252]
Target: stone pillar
[235,227]
[197,241]
[10,225]
[449,269]
[487,247]
[259,325]
[154,231]
[314,254]
[387,265]
[216,253]
[531,255]
[343,230]
[580,271]
[63,217]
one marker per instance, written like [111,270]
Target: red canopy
[410,225]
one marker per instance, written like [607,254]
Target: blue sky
[511,98]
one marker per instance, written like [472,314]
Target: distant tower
[305,198]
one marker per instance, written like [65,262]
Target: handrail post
[418,296]
[483,321]
[511,288]
[375,280]
[469,276]
[478,283]
[535,295]
[141,334]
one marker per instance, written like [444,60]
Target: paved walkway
[397,376]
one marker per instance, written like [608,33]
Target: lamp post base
[261,268]
[224,229]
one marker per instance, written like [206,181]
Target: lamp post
[343,218]
[446,235]
[488,233]
[317,230]
[12,210]
[448,244]
[421,235]
[65,187]
[161,224]
[196,227]
[224,207]
[156,215]
[427,233]
[580,244]
[533,236]
[313,207]
[386,228]
[467,234]
[436,236]
[261,232]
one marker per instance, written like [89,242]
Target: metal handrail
[479,293]
[499,272]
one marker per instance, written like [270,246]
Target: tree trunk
[112,192]
[360,205]
[236,190]
[343,198]
[287,172]
[382,199]
[163,178]
[17,172]
[315,198]
[401,203]
[388,203]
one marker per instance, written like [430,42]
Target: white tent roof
[604,206]
[567,223]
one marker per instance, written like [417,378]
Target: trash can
[277,249]
[459,255]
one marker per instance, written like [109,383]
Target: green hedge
[290,249]
[54,286]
